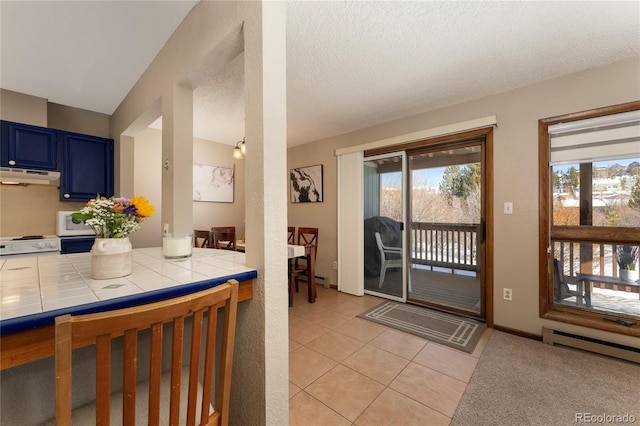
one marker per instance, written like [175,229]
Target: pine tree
[634,200]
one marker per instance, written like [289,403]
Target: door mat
[440,327]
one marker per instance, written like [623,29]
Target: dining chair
[224,237]
[181,395]
[291,234]
[202,239]
[305,236]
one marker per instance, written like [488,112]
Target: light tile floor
[345,370]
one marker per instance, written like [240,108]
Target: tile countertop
[34,290]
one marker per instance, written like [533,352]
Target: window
[590,218]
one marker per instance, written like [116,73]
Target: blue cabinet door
[28,147]
[76,245]
[87,166]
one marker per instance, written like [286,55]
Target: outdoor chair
[395,262]
[561,289]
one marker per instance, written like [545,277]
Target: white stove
[29,245]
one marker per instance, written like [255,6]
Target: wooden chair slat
[194,359]
[176,370]
[155,371]
[103,380]
[130,377]
[209,360]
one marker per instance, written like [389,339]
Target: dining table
[35,290]
[308,251]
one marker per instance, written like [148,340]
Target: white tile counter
[34,290]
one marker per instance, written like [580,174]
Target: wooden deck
[443,288]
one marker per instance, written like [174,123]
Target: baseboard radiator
[557,337]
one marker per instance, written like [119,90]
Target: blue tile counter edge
[27,322]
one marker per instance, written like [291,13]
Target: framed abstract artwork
[306,184]
[213,183]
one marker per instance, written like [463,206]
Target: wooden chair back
[305,236]
[308,236]
[224,237]
[202,239]
[291,235]
[100,328]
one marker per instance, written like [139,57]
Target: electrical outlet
[335,264]
[507,294]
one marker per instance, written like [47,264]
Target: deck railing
[595,259]
[446,245]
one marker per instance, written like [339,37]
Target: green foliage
[634,200]
[627,257]
[613,216]
[460,182]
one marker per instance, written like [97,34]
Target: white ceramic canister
[111,258]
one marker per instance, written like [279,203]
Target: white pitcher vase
[111,258]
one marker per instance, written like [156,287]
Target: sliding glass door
[446,226]
[425,214]
[384,201]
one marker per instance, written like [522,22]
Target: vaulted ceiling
[350,64]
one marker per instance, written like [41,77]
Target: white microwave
[66,228]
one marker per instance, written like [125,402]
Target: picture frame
[214,184]
[306,184]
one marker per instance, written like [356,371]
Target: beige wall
[23,108]
[205,214]
[31,209]
[515,178]
[147,154]
[78,120]
[148,175]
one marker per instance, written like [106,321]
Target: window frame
[548,309]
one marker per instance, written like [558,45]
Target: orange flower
[143,207]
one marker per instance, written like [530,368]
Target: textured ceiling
[349,64]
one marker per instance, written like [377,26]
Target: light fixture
[240,150]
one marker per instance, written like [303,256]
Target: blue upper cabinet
[28,147]
[87,166]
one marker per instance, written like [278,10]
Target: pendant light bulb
[239,151]
[237,154]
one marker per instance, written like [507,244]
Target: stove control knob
[51,244]
[39,246]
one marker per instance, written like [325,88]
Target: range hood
[38,177]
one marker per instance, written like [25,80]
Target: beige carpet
[520,381]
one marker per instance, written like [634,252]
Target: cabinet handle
[12,163]
[67,196]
